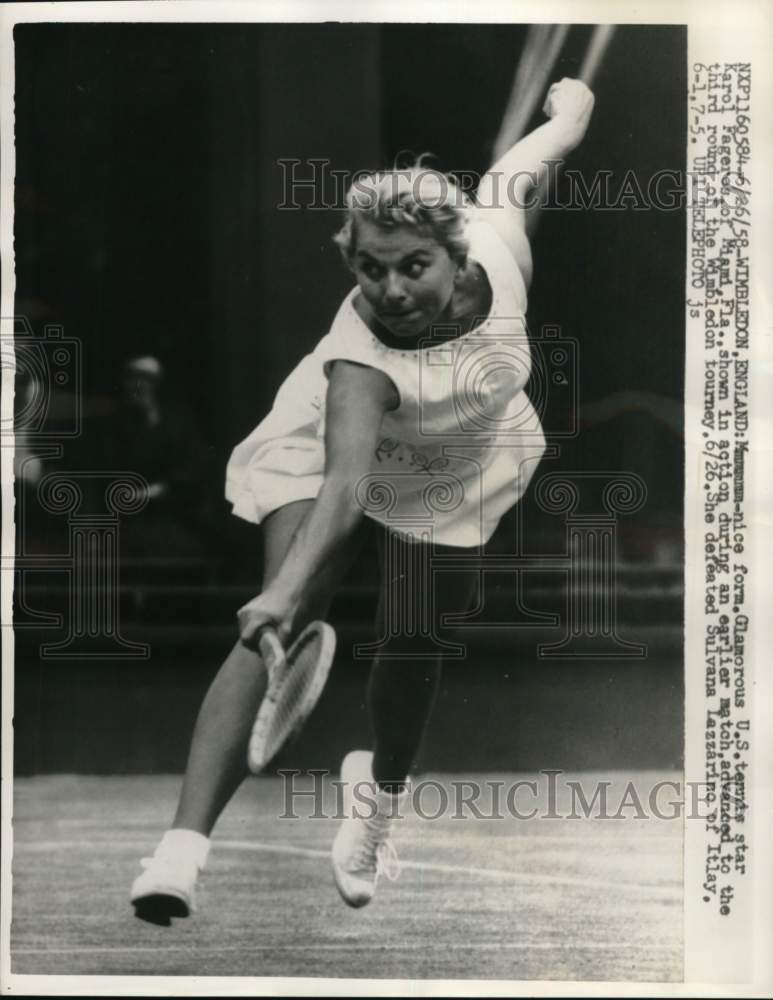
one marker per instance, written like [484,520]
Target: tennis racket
[296,678]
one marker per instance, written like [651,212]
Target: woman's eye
[416,268]
[372,272]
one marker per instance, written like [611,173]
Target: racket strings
[297,682]
[293,693]
[294,689]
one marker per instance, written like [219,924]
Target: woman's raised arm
[504,191]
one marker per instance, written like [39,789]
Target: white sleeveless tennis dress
[458,451]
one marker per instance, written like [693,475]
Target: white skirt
[283,459]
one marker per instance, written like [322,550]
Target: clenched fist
[273,609]
[569,98]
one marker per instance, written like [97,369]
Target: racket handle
[270,648]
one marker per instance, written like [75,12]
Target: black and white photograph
[351,510]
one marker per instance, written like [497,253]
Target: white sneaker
[362,850]
[167,887]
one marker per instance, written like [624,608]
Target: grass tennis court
[477,899]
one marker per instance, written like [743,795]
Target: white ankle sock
[188,842]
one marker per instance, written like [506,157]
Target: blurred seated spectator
[158,439]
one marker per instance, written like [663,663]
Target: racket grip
[270,648]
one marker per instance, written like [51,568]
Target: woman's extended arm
[503,192]
[357,399]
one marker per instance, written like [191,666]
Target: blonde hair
[415,196]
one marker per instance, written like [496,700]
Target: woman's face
[407,278]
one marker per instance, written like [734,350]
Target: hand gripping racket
[296,678]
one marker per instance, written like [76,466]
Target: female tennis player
[410,416]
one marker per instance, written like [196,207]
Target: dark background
[147,186]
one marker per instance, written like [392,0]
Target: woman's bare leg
[217,763]
[217,758]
